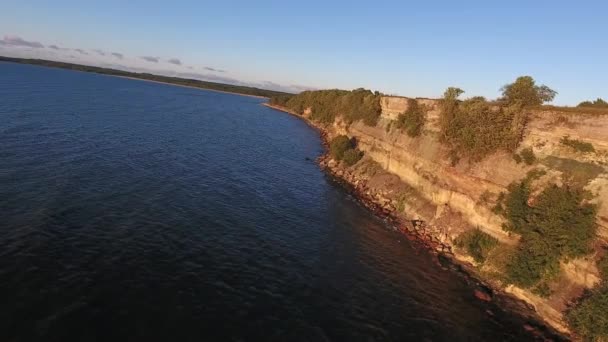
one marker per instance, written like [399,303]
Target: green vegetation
[326,105]
[557,224]
[576,144]
[592,111]
[576,173]
[475,128]
[599,103]
[144,76]
[477,244]
[352,156]
[590,319]
[526,155]
[339,145]
[343,148]
[525,91]
[412,120]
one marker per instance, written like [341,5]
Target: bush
[577,144]
[339,145]
[352,156]
[559,224]
[412,120]
[527,154]
[476,128]
[477,244]
[343,148]
[589,318]
[525,91]
[517,158]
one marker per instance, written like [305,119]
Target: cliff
[414,179]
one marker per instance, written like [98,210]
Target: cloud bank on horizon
[18,41]
[174,61]
[16,46]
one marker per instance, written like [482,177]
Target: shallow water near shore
[141,211]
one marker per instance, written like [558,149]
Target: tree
[412,120]
[599,103]
[525,90]
[452,93]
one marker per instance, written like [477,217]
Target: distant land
[222,87]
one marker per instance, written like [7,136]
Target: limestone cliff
[418,182]
[461,196]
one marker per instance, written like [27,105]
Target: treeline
[151,77]
[598,103]
[326,105]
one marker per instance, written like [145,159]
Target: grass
[578,145]
[574,110]
[577,173]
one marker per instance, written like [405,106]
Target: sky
[408,48]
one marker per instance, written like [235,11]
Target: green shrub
[542,290]
[339,145]
[352,156]
[590,318]
[576,144]
[343,148]
[413,119]
[477,244]
[558,224]
[527,154]
[517,158]
[475,128]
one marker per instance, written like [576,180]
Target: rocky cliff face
[418,182]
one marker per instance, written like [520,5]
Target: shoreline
[416,231]
[185,86]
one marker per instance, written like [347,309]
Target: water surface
[141,211]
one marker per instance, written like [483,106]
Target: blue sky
[414,48]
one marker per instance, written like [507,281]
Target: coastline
[417,231]
[130,75]
[186,86]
